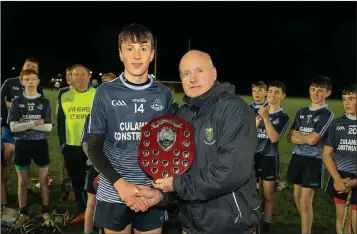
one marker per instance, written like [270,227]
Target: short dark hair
[81,65]
[260,84]
[349,89]
[136,33]
[278,84]
[32,60]
[321,82]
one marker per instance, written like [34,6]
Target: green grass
[286,219]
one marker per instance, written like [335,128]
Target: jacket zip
[239,212]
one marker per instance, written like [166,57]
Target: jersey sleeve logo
[276,122]
[157,105]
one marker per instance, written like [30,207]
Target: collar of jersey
[135,87]
[255,105]
[32,97]
[271,113]
[351,118]
[315,109]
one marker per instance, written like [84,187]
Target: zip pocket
[238,209]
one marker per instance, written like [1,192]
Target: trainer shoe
[79,218]
[21,221]
[47,220]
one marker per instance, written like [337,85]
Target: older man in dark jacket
[217,194]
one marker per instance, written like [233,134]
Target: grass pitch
[286,218]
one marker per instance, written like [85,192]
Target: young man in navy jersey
[30,120]
[120,108]
[10,90]
[259,92]
[339,156]
[306,168]
[92,173]
[271,123]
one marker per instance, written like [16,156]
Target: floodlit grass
[286,218]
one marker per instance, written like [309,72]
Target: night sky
[248,41]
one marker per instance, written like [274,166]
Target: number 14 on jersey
[139,108]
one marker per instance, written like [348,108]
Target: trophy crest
[166,146]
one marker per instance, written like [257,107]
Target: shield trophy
[166,146]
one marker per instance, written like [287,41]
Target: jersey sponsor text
[306,130]
[347,145]
[129,131]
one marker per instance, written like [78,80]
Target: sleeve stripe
[83,132]
[327,124]
[90,114]
[8,79]
[285,127]
[3,85]
[90,122]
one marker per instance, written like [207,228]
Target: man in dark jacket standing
[217,194]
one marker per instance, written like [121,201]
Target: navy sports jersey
[12,88]
[280,121]
[308,120]
[119,110]
[29,109]
[61,91]
[255,107]
[342,137]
